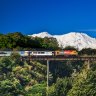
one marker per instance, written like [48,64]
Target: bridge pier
[47,76]
[87,64]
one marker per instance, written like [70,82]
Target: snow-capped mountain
[42,35]
[76,39]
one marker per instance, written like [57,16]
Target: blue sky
[53,16]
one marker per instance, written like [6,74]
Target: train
[41,53]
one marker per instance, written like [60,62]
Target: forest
[21,78]
[18,41]
[66,78]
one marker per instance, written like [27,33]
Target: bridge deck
[82,58]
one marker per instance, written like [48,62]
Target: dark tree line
[88,51]
[19,41]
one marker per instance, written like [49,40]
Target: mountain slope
[42,35]
[76,39]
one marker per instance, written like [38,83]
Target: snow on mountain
[41,34]
[75,39]
[78,40]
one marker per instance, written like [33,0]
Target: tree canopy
[20,42]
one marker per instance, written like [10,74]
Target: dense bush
[19,78]
[61,87]
[18,41]
[84,84]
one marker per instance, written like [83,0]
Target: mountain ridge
[78,40]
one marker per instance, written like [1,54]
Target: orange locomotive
[66,53]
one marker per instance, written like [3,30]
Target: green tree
[50,43]
[70,48]
[5,65]
[11,87]
[87,51]
[61,87]
[19,41]
[19,78]
[37,90]
[84,84]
